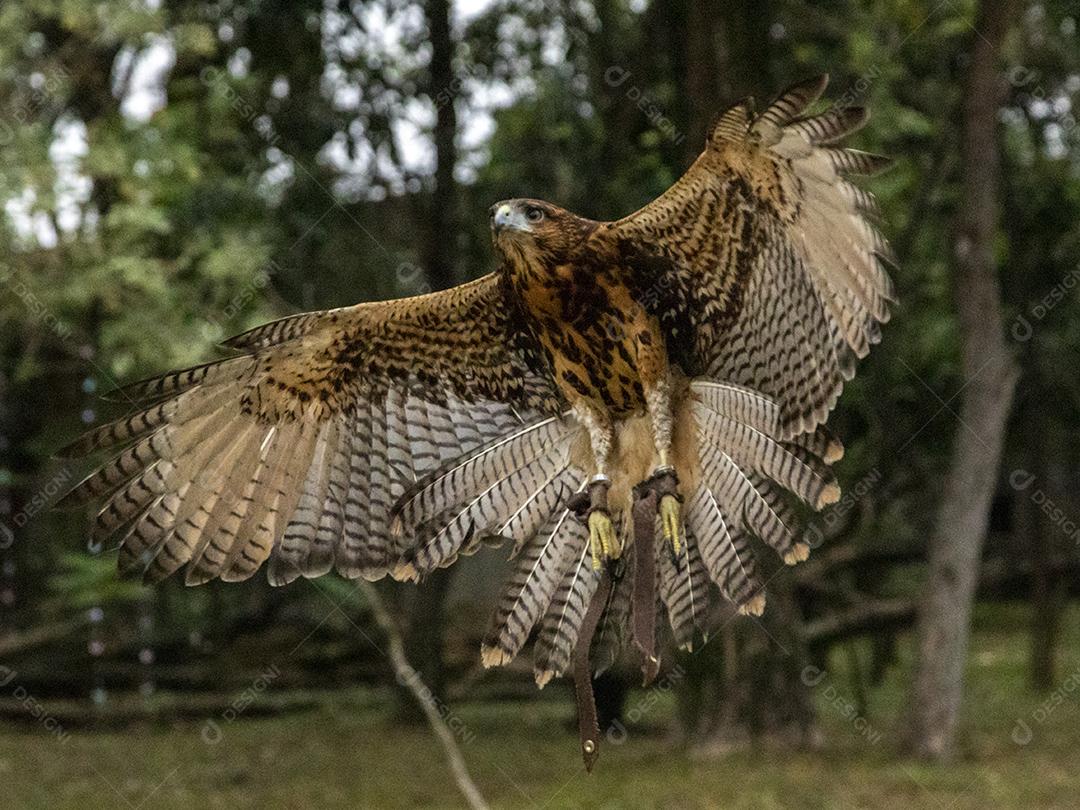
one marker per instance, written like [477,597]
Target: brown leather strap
[588,727]
[591,499]
[644,594]
[646,497]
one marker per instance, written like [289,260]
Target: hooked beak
[506,217]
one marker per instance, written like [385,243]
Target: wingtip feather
[493,656]
[799,553]
[754,606]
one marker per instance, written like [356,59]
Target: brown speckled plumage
[717,324]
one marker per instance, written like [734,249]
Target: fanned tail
[505,486]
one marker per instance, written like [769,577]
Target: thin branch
[411,679]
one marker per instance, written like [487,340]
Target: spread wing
[297,448]
[762,261]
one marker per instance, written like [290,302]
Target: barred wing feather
[297,450]
[766,269]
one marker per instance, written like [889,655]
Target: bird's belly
[602,344]
[610,359]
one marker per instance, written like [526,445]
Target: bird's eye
[534,214]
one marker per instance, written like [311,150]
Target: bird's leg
[593,502]
[659,401]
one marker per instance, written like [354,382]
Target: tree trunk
[442,216]
[727,59]
[989,375]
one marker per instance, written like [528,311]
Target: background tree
[990,373]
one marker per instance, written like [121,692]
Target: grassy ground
[348,752]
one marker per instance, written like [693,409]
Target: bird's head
[536,229]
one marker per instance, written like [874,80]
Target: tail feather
[483,484]
[699,581]
[832,125]
[423,447]
[230,538]
[743,505]
[258,504]
[380,497]
[215,542]
[354,554]
[132,500]
[203,488]
[158,442]
[530,588]
[682,588]
[205,375]
[820,443]
[561,624]
[726,556]
[790,104]
[486,512]
[121,470]
[146,539]
[526,520]
[280,330]
[755,450]
[330,531]
[466,424]
[288,557]
[141,423]
[612,629]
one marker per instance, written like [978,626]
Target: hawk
[697,344]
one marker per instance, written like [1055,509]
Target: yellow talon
[602,540]
[671,521]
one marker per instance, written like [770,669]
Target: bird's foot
[603,544]
[591,505]
[666,485]
[671,521]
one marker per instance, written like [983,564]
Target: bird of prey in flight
[696,346]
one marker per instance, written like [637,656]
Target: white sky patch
[415,148]
[382,40]
[146,90]
[72,188]
[464,12]
[141,73]
[276,179]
